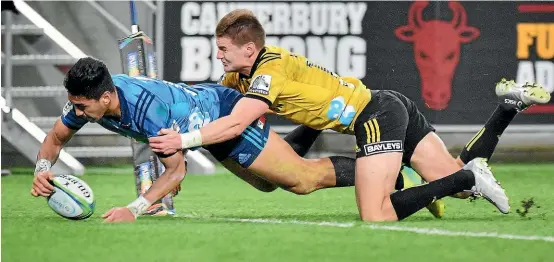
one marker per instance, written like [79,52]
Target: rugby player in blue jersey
[139,107]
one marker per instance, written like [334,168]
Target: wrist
[191,139]
[139,206]
[42,165]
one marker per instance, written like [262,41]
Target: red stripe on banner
[540,109]
[536,8]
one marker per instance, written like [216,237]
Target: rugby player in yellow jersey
[388,127]
[301,140]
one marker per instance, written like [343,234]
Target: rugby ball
[72,198]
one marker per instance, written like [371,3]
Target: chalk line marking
[417,230]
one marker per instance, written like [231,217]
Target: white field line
[417,230]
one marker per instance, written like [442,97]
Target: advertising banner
[446,56]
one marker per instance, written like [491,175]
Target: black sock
[484,142]
[411,200]
[301,139]
[345,172]
[399,182]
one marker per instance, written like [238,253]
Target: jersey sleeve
[267,82]
[70,118]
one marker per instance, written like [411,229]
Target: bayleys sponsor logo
[383,147]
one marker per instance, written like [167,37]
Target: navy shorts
[251,143]
[243,149]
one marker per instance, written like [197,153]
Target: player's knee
[372,217]
[267,188]
[378,210]
[301,189]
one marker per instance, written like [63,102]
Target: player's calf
[248,177]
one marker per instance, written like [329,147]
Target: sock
[345,172]
[484,142]
[302,138]
[399,182]
[411,200]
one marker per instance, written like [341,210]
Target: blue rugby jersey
[148,105]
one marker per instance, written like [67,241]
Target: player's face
[234,57]
[90,109]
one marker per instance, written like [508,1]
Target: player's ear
[250,48]
[106,98]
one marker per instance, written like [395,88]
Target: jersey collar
[125,117]
[256,62]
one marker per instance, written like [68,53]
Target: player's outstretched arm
[175,170]
[47,156]
[244,113]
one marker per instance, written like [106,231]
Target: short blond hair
[242,26]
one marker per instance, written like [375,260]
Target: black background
[391,65]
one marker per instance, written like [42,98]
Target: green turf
[32,232]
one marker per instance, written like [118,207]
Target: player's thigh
[423,149]
[432,160]
[279,163]
[250,178]
[380,132]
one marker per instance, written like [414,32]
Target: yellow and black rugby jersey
[302,91]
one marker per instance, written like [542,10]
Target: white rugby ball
[72,198]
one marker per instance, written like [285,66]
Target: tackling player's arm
[244,113]
[175,170]
[267,84]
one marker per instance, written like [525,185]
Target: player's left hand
[118,215]
[167,142]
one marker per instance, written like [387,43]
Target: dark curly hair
[90,78]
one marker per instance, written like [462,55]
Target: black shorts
[390,122]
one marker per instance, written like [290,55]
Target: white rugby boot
[512,95]
[486,185]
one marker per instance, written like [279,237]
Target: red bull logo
[437,49]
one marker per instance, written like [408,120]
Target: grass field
[220,218]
